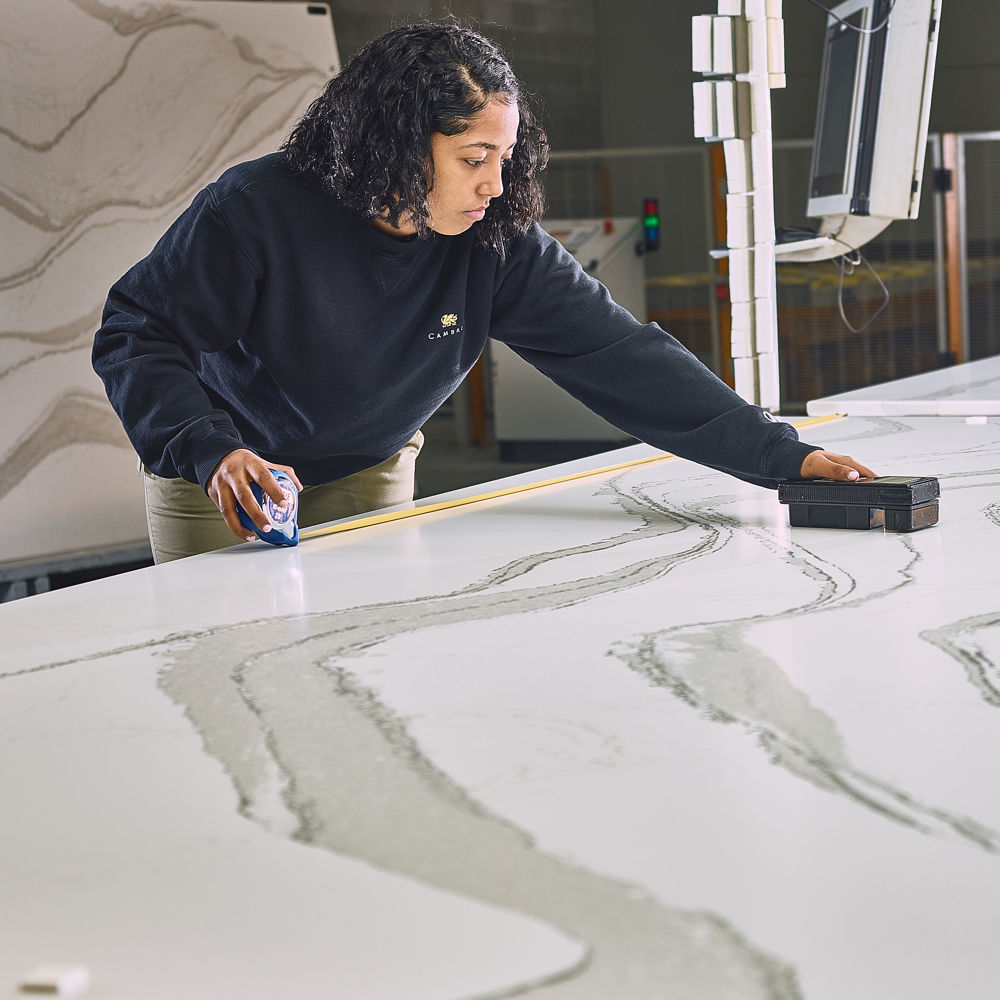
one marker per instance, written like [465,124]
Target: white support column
[741,52]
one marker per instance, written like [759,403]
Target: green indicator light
[651,222]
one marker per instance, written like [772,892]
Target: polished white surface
[112,116]
[967,390]
[633,734]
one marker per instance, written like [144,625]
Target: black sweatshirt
[269,317]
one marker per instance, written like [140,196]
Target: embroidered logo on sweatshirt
[449,327]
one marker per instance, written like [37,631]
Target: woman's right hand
[230,485]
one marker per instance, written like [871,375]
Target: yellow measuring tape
[398,515]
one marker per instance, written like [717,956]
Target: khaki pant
[183,521]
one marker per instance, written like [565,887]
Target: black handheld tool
[897,503]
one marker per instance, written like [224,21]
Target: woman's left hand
[827,465]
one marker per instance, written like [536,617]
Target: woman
[312,308]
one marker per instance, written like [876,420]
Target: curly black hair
[367,137]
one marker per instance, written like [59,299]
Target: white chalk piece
[765,325]
[767,381]
[737,156]
[739,220]
[56,980]
[725,109]
[775,45]
[703,94]
[975,420]
[723,48]
[745,377]
[701,43]
[740,274]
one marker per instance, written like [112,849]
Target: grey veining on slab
[973,642]
[112,116]
[970,389]
[630,734]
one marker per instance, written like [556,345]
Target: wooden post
[718,180]
[952,247]
[477,404]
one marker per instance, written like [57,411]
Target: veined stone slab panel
[112,116]
[971,389]
[626,736]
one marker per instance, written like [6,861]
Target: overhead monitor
[871,121]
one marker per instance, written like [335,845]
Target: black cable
[854,27]
[846,263]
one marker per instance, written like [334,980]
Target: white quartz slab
[971,389]
[112,116]
[633,736]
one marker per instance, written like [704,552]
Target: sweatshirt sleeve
[639,378]
[193,294]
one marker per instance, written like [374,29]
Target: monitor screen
[835,116]
[871,115]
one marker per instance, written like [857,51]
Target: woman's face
[467,171]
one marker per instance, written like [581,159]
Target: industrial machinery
[533,417]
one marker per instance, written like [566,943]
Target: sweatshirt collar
[389,246]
